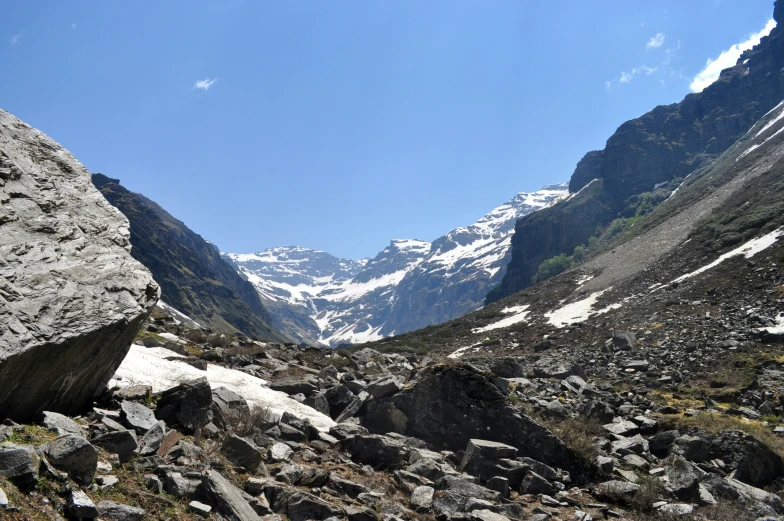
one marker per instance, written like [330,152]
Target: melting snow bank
[149,366]
[578,311]
[520,315]
[748,250]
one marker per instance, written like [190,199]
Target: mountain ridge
[409,284]
[662,146]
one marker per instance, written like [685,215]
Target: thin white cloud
[626,77]
[204,84]
[73,26]
[607,85]
[15,38]
[655,42]
[728,58]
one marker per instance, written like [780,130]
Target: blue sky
[342,125]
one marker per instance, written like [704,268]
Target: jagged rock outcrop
[71,296]
[667,143]
[193,277]
[451,404]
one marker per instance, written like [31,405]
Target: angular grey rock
[80,505]
[692,448]
[462,486]
[353,407]
[74,297]
[487,515]
[152,439]
[243,452]
[119,512]
[422,498]
[380,452]
[318,401]
[306,385]
[136,392]
[303,507]
[623,340]
[188,404]
[281,452]
[346,487]
[200,509]
[19,463]
[61,424]
[179,486]
[137,417]
[482,458]
[684,479]
[616,491]
[74,455]
[228,406]
[383,387]
[122,443]
[227,498]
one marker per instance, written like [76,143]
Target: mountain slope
[193,277]
[661,147]
[701,269]
[318,298]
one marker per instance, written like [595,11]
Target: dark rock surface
[449,405]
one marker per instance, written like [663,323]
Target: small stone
[200,509]
[422,498]
[281,452]
[123,443]
[80,505]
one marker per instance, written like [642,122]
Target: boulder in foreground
[71,295]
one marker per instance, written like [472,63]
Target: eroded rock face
[450,405]
[71,296]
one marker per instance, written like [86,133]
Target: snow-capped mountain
[318,298]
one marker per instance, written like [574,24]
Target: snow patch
[520,315]
[160,369]
[578,311]
[748,250]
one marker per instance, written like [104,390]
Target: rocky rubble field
[540,435]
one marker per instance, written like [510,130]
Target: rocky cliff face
[193,276]
[667,143]
[318,298]
[71,295]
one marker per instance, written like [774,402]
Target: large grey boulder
[71,296]
[74,455]
[451,404]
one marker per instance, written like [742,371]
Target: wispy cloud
[15,38]
[728,58]
[205,84]
[655,42]
[626,77]
[73,26]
